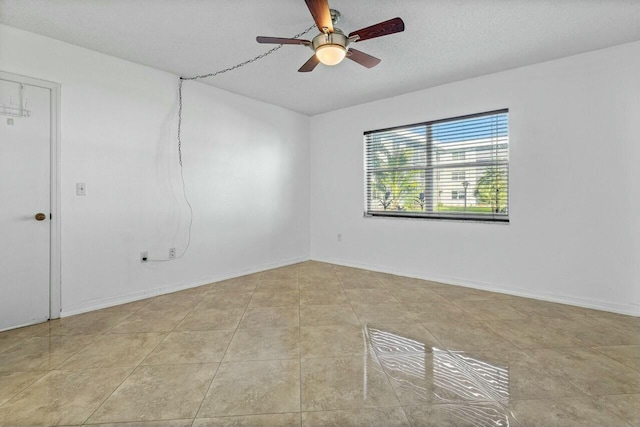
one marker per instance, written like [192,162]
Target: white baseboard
[99,303]
[544,296]
[23,325]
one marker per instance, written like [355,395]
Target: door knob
[40,216]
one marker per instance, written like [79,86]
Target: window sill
[438,217]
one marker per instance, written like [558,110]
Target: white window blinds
[454,168]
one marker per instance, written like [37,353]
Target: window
[457,175]
[458,155]
[458,195]
[403,166]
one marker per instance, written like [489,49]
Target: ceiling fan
[331,46]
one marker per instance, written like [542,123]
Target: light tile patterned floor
[321,345]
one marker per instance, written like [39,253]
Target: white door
[25,161]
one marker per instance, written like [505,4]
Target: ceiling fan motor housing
[335,38]
[331,46]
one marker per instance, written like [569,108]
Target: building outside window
[458,155]
[457,175]
[458,195]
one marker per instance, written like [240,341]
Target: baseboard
[24,325]
[99,303]
[544,296]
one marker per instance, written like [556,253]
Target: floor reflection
[385,342]
[470,389]
[478,414]
[469,378]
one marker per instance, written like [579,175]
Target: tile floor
[322,345]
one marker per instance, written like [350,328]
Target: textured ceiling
[444,40]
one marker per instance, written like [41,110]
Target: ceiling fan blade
[310,64]
[385,28]
[321,14]
[282,40]
[362,58]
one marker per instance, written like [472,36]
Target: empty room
[319,213]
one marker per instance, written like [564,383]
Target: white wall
[574,193]
[574,234]
[246,168]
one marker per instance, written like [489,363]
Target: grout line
[135,423]
[204,396]
[161,422]
[559,374]
[555,372]
[230,416]
[348,299]
[145,357]
[225,351]
[608,394]
[611,411]
[11,397]
[110,394]
[94,337]
[384,371]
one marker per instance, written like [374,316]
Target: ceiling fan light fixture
[331,54]
[331,45]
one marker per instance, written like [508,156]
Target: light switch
[81,189]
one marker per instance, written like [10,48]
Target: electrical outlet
[144,256]
[81,189]
[172,252]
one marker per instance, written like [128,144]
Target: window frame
[432,157]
